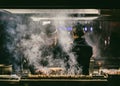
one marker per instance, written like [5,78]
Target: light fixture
[91,28]
[81,11]
[85,29]
[63,18]
[60,13]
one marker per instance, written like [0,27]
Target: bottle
[91,67]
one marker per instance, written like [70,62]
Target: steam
[27,45]
[66,40]
[94,40]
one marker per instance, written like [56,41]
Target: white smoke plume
[94,40]
[66,42]
[27,43]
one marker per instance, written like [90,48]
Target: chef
[50,50]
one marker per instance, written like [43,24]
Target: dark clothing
[81,49]
[56,52]
[83,52]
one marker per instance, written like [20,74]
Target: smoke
[26,44]
[66,42]
[93,40]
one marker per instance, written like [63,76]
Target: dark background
[59,4]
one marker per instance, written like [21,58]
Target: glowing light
[91,28]
[85,28]
[69,28]
[62,18]
[81,11]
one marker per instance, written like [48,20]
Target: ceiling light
[63,18]
[81,11]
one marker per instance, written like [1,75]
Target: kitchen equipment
[5,69]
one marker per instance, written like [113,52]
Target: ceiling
[76,14]
[68,14]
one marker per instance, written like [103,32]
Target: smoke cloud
[26,42]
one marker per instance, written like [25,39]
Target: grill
[53,80]
[30,76]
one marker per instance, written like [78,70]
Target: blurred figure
[81,49]
[50,50]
